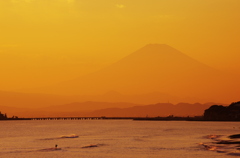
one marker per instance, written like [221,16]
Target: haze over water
[113,138]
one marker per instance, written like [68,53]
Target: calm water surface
[113,138]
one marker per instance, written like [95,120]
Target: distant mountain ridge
[86,109]
[153,68]
[36,100]
[152,74]
[154,110]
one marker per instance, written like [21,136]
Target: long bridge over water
[78,118]
[116,118]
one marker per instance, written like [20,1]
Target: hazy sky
[46,41]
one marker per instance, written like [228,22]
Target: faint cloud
[120,6]
[18,1]
[28,1]
[9,46]
[70,1]
[14,1]
[165,16]
[169,17]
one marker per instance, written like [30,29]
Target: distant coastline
[196,118]
[171,118]
[213,113]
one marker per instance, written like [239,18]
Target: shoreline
[169,118]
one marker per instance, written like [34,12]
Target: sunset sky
[48,41]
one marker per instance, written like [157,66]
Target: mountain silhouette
[98,109]
[154,110]
[153,68]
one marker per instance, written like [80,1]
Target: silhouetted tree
[2,116]
[223,113]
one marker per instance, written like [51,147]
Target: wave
[53,149]
[234,153]
[61,137]
[212,136]
[223,144]
[92,145]
[50,149]
[69,136]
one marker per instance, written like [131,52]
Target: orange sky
[44,42]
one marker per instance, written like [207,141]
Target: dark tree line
[223,113]
[3,116]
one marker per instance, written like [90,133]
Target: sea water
[114,139]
